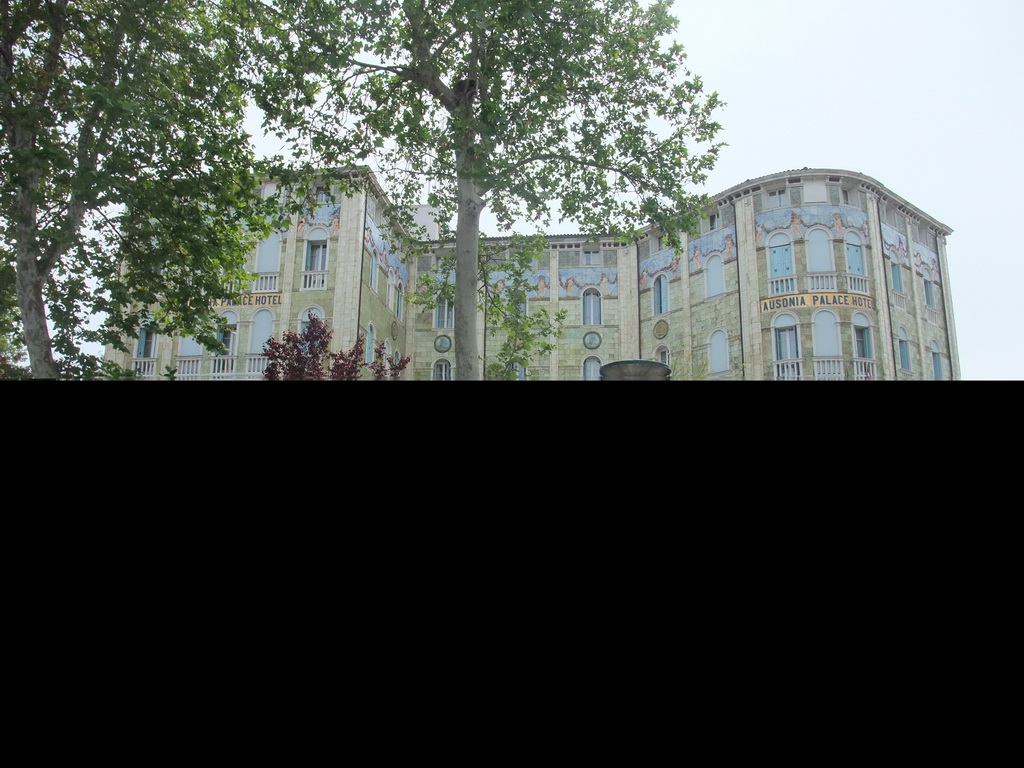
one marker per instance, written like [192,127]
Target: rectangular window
[316,256]
[712,221]
[776,198]
[785,344]
[862,338]
[897,277]
[591,258]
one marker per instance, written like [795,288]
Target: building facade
[812,274]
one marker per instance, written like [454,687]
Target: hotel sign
[817,300]
[251,300]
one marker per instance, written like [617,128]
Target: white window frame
[827,257]
[592,368]
[786,337]
[659,295]
[718,350]
[714,276]
[371,340]
[903,347]
[444,314]
[591,307]
[316,256]
[441,370]
[863,338]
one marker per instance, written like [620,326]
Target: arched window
[854,253]
[714,276]
[825,331]
[780,255]
[787,339]
[718,352]
[592,369]
[660,295]
[929,287]
[936,362]
[663,355]
[819,251]
[591,307]
[370,341]
[904,347]
[304,317]
[862,346]
[228,336]
[262,330]
[398,301]
[442,371]
[444,314]
[387,349]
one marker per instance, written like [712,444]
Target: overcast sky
[924,96]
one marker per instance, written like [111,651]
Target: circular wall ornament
[592,340]
[394,330]
[442,343]
[660,329]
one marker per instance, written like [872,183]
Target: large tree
[512,105]
[127,184]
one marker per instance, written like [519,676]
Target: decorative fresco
[895,246]
[574,280]
[666,261]
[721,242]
[384,254]
[796,221]
[327,215]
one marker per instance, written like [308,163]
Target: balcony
[780,286]
[144,367]
[858,284]
[188,368]
[789,370]
[222,367]
[818,281]
[933,315]
[828,369]
[255,365]
[314,281]
[864,370]
[266,283]
[899,300]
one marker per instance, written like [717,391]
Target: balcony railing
[933,315]
[858,284]
[789,370]
[222,367]
[314,281]
[255,365]
[864,370]
[265,284]
[819,281]
[828,369]
[188,368]
[779,286]
[899,300]
[145,368]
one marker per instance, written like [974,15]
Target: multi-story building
[812,274]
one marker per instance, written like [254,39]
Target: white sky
[925,96]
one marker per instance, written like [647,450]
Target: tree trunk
[468,366]
[33,319]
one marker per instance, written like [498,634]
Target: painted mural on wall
[384,254]
[327,215]
[896,248]
[721,242]
[796,221]
[573,281]
[666,262]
